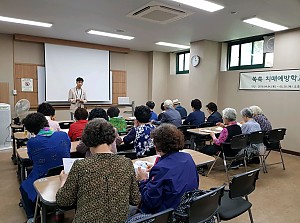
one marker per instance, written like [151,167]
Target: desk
[15,128]
[18,139]
[199,158]
[202,132]
[46,189]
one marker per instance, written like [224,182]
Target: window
[248,54]
[182,62]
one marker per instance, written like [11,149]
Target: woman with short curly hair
[103,185]
[174,174]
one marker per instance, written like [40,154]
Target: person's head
[113,112]
[142,114]
[256,110]
[167,138]
[81,114]
[98,132]
[97,113]
[79,82]
[176,102]
[34,122]
[168,104]
[211,107]
[162,107]
[229,115]
[196,104]
[46,109]
[246,114]
[150,104]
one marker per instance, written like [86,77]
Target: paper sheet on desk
[68,163]
[143,164]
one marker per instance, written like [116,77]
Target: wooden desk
[202,132]
[46,189]
[18,138]
[199,158]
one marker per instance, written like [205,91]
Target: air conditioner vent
[159,13]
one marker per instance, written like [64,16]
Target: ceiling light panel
[113,35]
[201,4]
[265,24]
[25,22]
[173,45]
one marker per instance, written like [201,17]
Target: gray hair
[256,110]
[246,112]
[229,113]
[168,104]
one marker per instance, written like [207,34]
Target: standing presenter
[77,97]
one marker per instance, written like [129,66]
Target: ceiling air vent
[159,13]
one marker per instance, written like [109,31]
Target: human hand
[141,174]
[62,177]
[220,124]
[212,134]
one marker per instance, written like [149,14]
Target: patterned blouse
[102,186]
[140,136]
[264,123]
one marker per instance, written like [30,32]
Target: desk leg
[44,213]
[22,166]
[36,208]
[13,156]
[193,141]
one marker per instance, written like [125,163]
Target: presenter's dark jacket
[214,118]
[174,174]
[102,187]
[196,118]
[171,116]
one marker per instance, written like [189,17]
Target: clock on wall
[195,60]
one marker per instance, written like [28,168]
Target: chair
[65,124]
[161,217]
[187,136]
[204,207]
[54,171]
[235,200]
[230,151]
[272,142]
[258,138]
[206,124]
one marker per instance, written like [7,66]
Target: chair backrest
[243,184]
[275,135]
[54,171]
[257,137]
[239,141]
[184,128]
[65,124]
[206,124]
[205,207]
[161,217]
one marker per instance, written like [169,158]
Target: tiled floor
[275,200]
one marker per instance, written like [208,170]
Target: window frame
[177,62]
[239,43]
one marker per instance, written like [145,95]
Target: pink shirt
[53,124]
[223,135]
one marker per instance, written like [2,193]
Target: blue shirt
[173,175]
[153,116]
[250,126]
[182,111]
[45,152]
[140,136]
[196,118]
[214,118]
[171,116]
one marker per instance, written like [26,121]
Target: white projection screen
[65,63]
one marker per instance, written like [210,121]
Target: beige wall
[281,107]
[6,63]
[202,81]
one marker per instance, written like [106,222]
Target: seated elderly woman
[46,151]
[214,116]
[140,133]
[49,112]
[174,174]
[231,129]
[77,127]
[103,185]
[260,118]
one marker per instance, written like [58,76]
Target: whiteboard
[65,63]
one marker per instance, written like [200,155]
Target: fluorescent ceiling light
[265,24]
[25,22]
[173,45]
[201,4]
[100,33]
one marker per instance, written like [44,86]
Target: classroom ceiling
[72,18]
